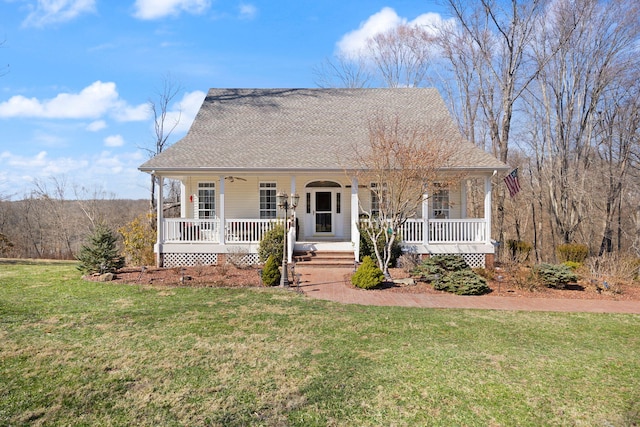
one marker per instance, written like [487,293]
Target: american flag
[512,182]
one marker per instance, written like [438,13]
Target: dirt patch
[231,276]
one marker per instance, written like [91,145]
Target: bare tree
[401,159]
[342,71]
[399,57]
[163,128]
[573,90]
[492,69]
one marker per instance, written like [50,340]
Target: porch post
[463,199]
[425,218]
[487,207]
[292,232]
[355,218]
[183,200]
[159,211]
[221,217]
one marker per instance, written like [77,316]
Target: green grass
[82,353]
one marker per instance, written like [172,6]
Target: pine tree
[100,254]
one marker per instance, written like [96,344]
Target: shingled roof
[304,129]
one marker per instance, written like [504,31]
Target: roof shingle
[305,129]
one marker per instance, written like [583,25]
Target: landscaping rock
[106,277]
[406,282]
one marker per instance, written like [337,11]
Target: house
[246,145]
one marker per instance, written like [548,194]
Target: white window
[206,200]
[440,202]
[268,208]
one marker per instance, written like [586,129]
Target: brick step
[323,258]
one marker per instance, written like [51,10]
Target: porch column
[159,211]
[295,213]
[463,199]
[292,235]
[487,207]
[425,218]
[221,218]
[183,200]
[355,218]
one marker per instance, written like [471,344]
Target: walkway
[329,284]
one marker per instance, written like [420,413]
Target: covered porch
[326,217]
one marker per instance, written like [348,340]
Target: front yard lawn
[75,352]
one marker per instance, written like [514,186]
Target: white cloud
[185,111]
[96,126]
[127,113]
[114,141]
[113,173]
[47,12]
[355,42]
[92,102]
[156,9]
[248,11]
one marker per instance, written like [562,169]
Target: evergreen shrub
[272,243]
[554,275]
[100,254]
[368,274]
[270,272]
[440,264]
[462,282]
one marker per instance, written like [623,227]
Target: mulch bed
[231,276]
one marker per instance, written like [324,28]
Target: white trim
[355,218]
[220,211]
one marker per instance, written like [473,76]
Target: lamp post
[282,199]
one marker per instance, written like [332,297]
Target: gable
[305,129]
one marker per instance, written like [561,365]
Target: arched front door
[323,209]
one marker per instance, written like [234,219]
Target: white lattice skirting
[474,260]
[170,260]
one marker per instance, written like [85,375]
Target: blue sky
[77,75]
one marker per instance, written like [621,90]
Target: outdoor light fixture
[282,199]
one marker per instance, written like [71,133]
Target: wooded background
[551,88]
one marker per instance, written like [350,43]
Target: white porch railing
[444,231]
[188,230]
[247,230]
[457,230]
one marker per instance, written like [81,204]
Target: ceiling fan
[233,178]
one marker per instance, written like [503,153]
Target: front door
[323,212]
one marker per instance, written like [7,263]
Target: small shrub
[462,282]
[519,250]
[368,275]
[272,243]
[488,274]
[574,252]
[555,275]
[270,272]
[237,256]
[525,279]
[100,254]
[138,238]
[572,265]
[614,268]
[439,264]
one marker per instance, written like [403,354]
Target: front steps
[324,259]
